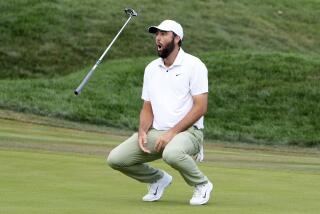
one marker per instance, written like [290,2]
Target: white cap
[168,25]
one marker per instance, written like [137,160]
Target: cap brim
[153,29]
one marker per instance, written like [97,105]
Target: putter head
[130,12]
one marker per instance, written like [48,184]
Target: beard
[167,50]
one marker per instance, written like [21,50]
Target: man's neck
[170,59]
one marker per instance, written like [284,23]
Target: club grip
[86,79]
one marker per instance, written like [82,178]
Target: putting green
[46,169]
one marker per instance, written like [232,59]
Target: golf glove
[200,156]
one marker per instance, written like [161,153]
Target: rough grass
[76,179]
[49,38]
[254,97]
[262,58]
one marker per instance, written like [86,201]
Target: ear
[177,39]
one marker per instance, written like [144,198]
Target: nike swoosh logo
[155,193]
[205,194]
[177,75]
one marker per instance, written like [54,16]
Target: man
[175,94]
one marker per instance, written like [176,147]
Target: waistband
[194,126]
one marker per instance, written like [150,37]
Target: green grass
[49,38]
[65,172]
[254,97]
[262,58]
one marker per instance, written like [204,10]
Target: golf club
[130,12]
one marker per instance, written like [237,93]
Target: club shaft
[89,74]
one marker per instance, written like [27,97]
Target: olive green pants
[129,159]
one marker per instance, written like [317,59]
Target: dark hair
[180,42]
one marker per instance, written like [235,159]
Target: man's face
[165,43]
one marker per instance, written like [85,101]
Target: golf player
[175,95]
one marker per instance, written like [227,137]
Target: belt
[196,127]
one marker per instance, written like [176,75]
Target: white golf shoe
[156,189]
[201,194]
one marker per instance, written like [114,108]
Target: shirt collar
[177,61]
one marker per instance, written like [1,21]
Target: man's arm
[199,108]
[146,119]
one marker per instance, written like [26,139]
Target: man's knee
[113,160]
[118,157]
[171,156]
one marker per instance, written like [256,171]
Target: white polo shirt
[170,90]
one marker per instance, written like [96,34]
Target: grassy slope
[258,95]
[56,174]
[45,38]
[254,97]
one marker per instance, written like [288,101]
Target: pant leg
[129,159]
[178,154]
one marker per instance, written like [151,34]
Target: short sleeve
[145,95]
[199,79]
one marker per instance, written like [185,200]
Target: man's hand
[142,137]
[146,118]
[164,140]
